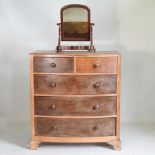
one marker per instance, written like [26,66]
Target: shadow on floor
[15,134]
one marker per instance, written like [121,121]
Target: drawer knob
[52,107]
[97,65]
[53,128]
[53,65]
[96,85]
[95,128]
[53,84]
[97,106]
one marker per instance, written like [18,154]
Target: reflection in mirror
[75,24]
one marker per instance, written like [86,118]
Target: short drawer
[76,85]
[96,65]
[75,127]
[79,106]
[53,64]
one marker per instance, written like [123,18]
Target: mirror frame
[62,29]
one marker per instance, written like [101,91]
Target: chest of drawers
[75,97]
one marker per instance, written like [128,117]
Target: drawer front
[75,127]
[96,64]
[76,85]
[53,64]
[75,106]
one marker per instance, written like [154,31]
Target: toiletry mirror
[75,23]
[75,26]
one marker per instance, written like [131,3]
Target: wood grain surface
[70,84]
[75,106]
[75,127]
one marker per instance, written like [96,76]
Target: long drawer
[71,84]
[75,106]
[75,127]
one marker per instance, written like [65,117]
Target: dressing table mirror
[75,25]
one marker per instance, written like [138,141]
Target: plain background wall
[124,25]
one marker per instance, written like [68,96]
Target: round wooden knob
[53,128]
[96,85]
[95,128]
[53,84]
[53,65]
[97,65]
[97,106]
[52,107]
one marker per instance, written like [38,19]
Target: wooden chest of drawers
[75,97]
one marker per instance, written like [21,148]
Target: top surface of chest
[74,53]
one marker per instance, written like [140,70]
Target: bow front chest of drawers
[75,97]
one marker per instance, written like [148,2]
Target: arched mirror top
[75,12]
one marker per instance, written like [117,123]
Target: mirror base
[79,48]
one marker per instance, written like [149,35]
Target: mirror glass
[75,24]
